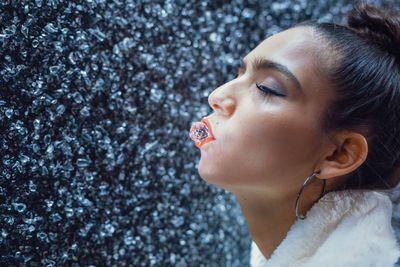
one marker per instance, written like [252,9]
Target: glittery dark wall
[96,99]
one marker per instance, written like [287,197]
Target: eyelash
[268,91]
[264,89]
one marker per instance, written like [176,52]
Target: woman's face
[268,140]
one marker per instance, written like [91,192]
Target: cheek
[292,143]
[258,152]
[278,147]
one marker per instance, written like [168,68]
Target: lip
[208,139]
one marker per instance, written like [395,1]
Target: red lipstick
[201,132]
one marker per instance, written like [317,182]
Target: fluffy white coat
[343,229]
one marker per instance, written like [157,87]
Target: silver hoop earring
[301,190]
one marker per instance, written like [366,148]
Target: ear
[349,152]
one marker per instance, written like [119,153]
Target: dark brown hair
[365,71]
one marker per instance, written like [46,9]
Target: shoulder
[344,228]
[257,259]
[363,236]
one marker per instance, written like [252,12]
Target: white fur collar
[343,229]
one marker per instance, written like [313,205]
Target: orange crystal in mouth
[200,132]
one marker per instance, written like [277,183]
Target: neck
[269,217]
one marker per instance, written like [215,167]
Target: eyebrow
[263,63]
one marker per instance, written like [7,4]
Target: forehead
[298,49]
[294,44]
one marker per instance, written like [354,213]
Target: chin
[206,173]
[214,177]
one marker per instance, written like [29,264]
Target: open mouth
[201,132]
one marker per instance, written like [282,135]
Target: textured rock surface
[96,100]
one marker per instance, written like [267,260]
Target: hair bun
[380,26]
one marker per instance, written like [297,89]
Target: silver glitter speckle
[97,168]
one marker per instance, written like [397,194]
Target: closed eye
[268,90]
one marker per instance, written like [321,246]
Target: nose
[222,100]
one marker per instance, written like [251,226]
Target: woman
[307,137]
